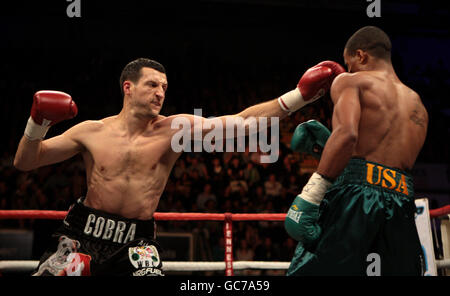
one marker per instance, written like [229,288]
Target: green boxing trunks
[368,228]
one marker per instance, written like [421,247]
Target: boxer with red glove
[49,107]
[315,82]
[146,138]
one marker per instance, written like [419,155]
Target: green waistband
[361,171]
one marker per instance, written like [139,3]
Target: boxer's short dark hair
[371,39]
[132,71]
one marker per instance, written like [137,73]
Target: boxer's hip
[105,227]
[376,176]
[93,242]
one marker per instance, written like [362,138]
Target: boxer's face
[149,92]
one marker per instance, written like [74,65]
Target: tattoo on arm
[417,117]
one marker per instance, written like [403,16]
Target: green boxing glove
[301,219]
[310,137]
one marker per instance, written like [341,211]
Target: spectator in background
[292,186]
[197,165]
[180,168]
[244,253]
[272,187]
[217,170]
[235,165]
[267,251]
[236,181]
[197,183]
[290,165]
[204,197]
[183,186]
[265,169]
[251,174]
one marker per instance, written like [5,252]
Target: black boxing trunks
[93,242]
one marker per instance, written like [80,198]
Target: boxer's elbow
[22,165]
[351,137]
[349,140]
[347,137]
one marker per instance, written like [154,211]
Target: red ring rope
[38,214]
[227,217]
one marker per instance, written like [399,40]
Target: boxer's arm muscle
[34,154]
[346,116]
[266,109]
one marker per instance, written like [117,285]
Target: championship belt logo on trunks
[386,178]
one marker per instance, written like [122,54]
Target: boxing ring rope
[228,265]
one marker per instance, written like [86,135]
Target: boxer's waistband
[361,171]
[106,227]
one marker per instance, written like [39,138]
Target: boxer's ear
[362,56]
[126,87]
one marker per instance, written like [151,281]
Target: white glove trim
[34,131]
[292,101]
[314,191]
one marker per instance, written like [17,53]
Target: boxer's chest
[118,155]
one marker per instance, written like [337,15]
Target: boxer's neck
[380,65]
[134,123]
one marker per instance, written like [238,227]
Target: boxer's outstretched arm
[268,110]
[346,116]
[240,120]
[314,83]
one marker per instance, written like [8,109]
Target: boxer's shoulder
[94,125]
[353,79]
[344,82]
[85,128]
[362,80]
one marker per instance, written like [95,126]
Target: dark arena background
[220,56]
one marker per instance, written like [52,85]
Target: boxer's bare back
[386,119]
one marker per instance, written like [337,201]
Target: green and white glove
[301,219]
[310,137]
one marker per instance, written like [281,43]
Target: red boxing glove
[315,82]
[335,67]
[49,107]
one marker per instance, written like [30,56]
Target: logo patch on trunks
[386,178]
[66,261]
[108,229]
[144,256]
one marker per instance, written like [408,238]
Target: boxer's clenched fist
[315,82]
[49,107]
